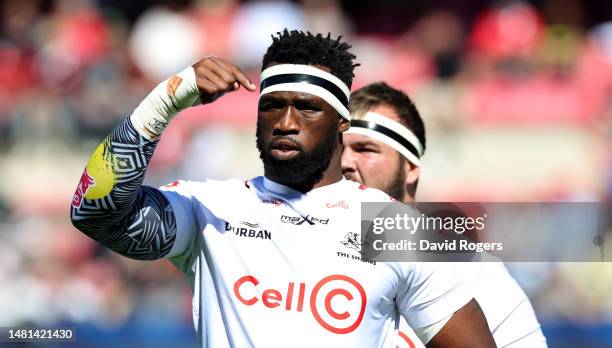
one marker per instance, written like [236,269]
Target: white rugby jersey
[509,313]
[269,266]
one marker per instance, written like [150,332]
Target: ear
[412,172]
[344,124]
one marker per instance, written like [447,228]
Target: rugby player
[265,257]
[382,149]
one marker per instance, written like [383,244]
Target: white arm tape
[425,334]
[170,97]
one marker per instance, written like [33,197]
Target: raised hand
[215,77]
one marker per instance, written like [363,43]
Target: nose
[288,122]
[348,160]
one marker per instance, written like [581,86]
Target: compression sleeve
[110,204]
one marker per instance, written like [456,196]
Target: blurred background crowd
[516,98]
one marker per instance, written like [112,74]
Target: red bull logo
[86,182]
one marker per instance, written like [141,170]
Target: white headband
[307,79]
[391,133]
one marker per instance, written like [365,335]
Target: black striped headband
[307,79]
[391,133]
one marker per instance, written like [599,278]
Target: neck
[330,175]
[333,173]
[408,197]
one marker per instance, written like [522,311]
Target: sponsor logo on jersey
[274,201]
[337,302]
[249,230]
[352,242]
[339,204]
[298,220]
[84,184]
[405,341]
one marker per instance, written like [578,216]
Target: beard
[306,168]
[396,186]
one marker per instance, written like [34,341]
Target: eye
[366,148]
[307,106]
[268,105]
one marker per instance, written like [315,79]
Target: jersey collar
[290,193]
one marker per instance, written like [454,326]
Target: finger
[209,91]
[204,72]
[223,73]
[222,77]
[238,74]
[207,86]
[221,84]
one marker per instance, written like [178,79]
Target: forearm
[110,204]
[466,328]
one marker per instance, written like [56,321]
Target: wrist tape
[166,100]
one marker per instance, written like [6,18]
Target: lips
[284,145]
[284,149]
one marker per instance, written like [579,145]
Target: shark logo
[352,240]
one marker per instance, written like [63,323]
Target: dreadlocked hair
[298,47]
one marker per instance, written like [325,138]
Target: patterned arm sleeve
[111,206]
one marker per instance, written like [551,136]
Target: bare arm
[466,328]
[110,204]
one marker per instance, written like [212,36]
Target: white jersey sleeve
[432,292]
[180,198]
[406,337]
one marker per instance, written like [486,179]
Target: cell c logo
[405,339]
[335,287]
[337,302]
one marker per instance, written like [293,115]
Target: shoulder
[216,188]
[364,193]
